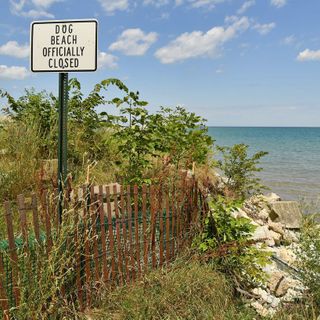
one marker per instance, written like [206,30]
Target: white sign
[64,46]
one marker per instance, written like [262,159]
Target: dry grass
[187,290]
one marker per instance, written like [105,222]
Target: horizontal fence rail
[111,235]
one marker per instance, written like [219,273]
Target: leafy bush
[239,169]
[123,142]
[309,256]
[226,241]
[174,134]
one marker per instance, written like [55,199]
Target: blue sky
[235,62]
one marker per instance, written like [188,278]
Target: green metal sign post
[63,46]
[63,139]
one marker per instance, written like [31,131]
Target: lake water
[292,167]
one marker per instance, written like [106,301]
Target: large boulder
[288,213]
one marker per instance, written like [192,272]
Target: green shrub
[123,142]
[240,169]
[226,241]
[309,256]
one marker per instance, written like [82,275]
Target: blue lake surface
[292,167]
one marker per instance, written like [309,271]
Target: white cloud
[12,48]
[45,3]
[110,6]
[18,8]
[13,73]
[157,3]
[246,5]
[278,3]
[107,60]
[289,40]
[309,55]
[210,4]
[134,42]
[264,29]
[34,14]
[201,44]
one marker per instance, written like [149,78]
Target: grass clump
[189,289]
[186,290]
[46,275]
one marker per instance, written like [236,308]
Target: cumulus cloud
[264,29]
[309,55]
[201,44]
[210,4]
[12,48]
[157,3]
[134,42]
[110,6]
[107,60]
[246,5]
[13,73]
[36,8]
[278,3]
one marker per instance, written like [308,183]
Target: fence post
[13,252]
[116,210]
[144,227]
[3,294]
[124,233]
[136,227]
[129,209]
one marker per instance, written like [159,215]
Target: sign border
[63,21]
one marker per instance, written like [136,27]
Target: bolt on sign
[64,46]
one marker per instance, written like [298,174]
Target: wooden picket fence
[120,233]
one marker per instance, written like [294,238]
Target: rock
[263,233]
[239,213]
[280,282]
[276,227]
[275,236]
[275,302]
[270,242]
[292,296]
[288,213]
[263,214]
[262,294]
[285,285]
[270,198]
[275,278]
[260,222]
[270,268]
[266,297]
[291,236]
[286,254]
[260,309]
